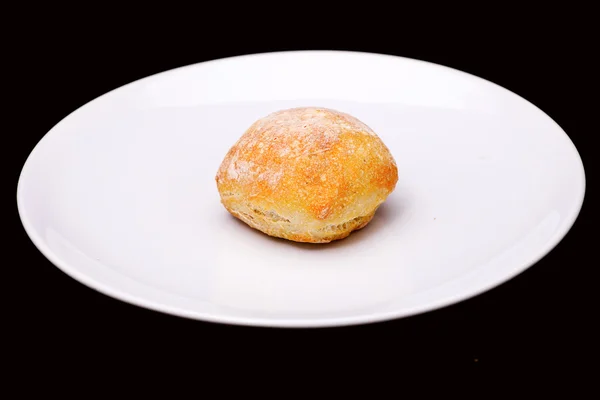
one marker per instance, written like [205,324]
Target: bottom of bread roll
[277,226]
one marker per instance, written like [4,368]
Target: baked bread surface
[307,174]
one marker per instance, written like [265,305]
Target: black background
[541,319]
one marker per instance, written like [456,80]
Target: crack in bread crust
[280,227]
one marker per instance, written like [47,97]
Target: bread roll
[307,175]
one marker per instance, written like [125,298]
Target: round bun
[307,174]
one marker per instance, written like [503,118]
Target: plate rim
[437,304]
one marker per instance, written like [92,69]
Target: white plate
[121,194]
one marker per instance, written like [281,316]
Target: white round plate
[121,194]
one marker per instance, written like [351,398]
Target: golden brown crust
[307,174]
